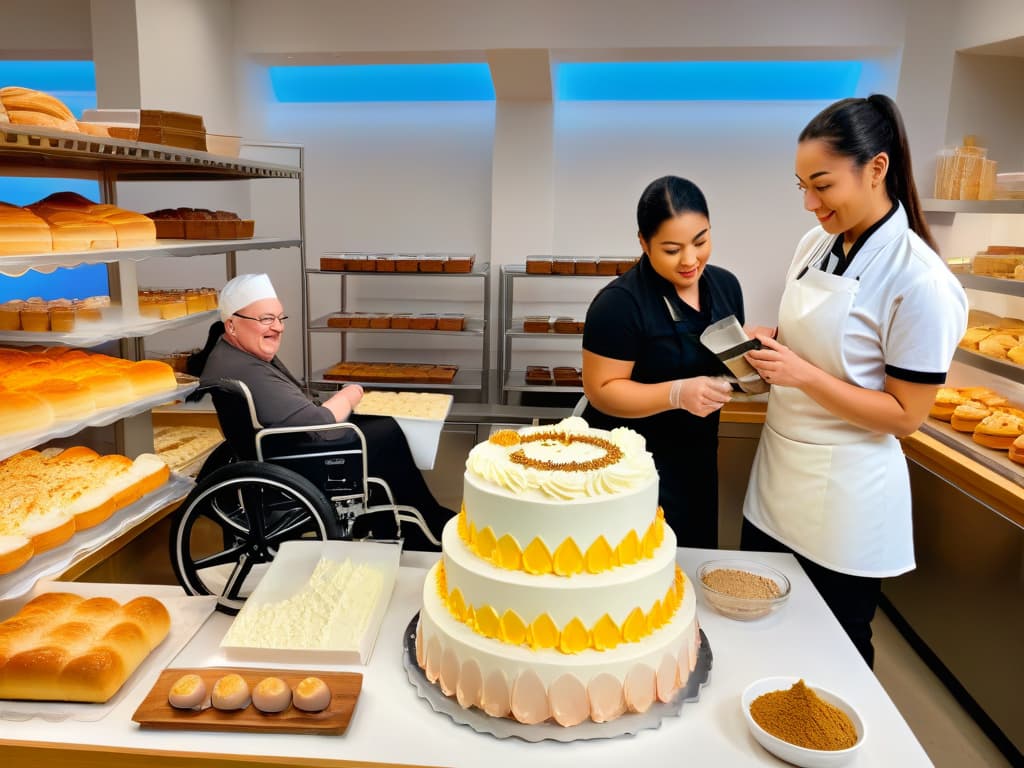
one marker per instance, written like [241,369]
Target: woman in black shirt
[644,366]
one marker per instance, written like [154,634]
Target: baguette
[62,647]
[15,97]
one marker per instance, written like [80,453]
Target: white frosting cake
[558,596]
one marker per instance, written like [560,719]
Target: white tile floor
[948,734]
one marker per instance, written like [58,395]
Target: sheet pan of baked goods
[985,422]
[1001,338]
[74,650]
[418,373]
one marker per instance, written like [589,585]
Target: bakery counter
[92,334]
[802,639]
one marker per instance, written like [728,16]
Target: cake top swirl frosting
[568,460]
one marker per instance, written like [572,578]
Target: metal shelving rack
[471,380]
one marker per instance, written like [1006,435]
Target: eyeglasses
[267,320]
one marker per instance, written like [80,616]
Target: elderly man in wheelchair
[289,468]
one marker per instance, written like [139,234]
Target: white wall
[43,29]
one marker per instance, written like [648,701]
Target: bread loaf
[28,107]
[21,231]
[62,647]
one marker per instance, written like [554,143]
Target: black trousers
[852,599]
[688,494]
[389,458]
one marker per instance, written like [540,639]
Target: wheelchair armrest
[272,431]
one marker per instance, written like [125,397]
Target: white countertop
[392,724]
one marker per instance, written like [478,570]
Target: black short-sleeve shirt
[639,317]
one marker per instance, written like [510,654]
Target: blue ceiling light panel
[707,80]
[468,81]
[73,82]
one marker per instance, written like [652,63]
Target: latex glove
[700,395]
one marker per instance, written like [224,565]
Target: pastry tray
[188,613]
[503,727]
[992,458]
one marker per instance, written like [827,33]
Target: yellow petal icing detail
[457,604]
[472,536]
[660,527]
[575,637]
[543,632]
[442,580]
[629,549]
[507,554]
[600,556]
[635,626]
[537,558]
[487,622]
[463,525]
[650,544]
[485,543]
[606,634]
[656,617]
[513,628]
[568,558]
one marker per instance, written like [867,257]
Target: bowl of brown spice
[742,589]
[802,724]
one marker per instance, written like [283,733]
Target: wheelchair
[264,486]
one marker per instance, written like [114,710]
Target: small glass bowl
[791,753]
[743,608]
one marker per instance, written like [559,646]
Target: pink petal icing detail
[421,655]
[640,688]
[449,678]
[529,699]
[496,700]
[433,659]
[569,705]
[607,699]
[471,684]
[667,683]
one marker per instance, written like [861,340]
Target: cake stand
[506,727]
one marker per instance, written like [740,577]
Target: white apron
[830,490]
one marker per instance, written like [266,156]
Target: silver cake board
[506,727]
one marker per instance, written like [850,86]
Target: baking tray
[288,574]
[996,460]
[188,613]
[155,712]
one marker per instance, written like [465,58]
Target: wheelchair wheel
[228,530]
[219,457]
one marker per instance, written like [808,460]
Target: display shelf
[15,266]
[93,334]
[78,547]
[934,205]
[1008,286]
[515,331]
[519,271]
[34,147]
[515,381]
[20,441]
[475,326]
[1003,368]
[464,379]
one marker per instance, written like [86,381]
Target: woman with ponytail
[868,323]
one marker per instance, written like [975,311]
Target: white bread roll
[62,647]
[23,411]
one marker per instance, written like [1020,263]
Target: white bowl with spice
[742,589]
[801,723]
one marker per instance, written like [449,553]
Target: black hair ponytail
[860,129]
[666,198]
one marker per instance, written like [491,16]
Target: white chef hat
[241,291]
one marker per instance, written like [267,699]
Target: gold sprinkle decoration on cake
[505,437]
[612,453]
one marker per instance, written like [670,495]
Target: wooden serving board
[155,712]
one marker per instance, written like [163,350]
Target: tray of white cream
[420,415]
[319,601]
